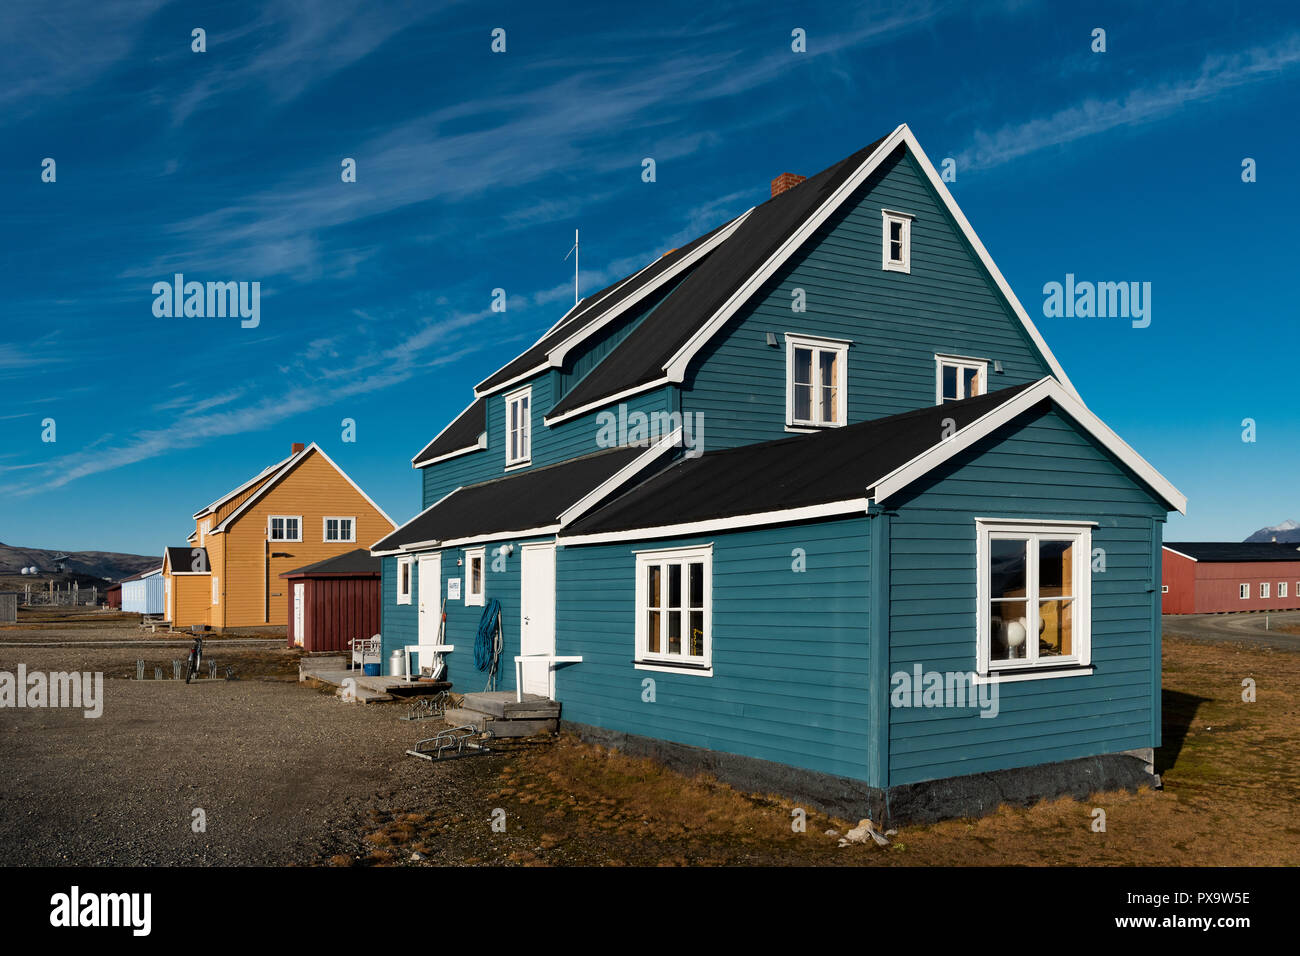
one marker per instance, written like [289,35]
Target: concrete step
[459,716]
[502,704]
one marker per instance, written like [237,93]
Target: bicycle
[195,660]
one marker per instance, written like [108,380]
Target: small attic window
[896,242]
[957,377]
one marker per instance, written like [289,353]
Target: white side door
[537,616]
[298,597]
[429,585]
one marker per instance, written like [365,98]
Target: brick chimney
[785,181]
[297,447]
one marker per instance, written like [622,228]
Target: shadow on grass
[1178,710]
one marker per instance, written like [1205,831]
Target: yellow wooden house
[298,511]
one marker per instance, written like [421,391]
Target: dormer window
[896,243]
[957,378]
[519,449]
[816,381]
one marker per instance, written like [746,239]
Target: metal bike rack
[458,740]
[424,708]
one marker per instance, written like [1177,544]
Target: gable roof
[354,563]
[529,501]
[269,469]
[184,558]
[1234,552]
[293,462]
[467,432]
[836,471]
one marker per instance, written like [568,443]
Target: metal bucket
[397,663]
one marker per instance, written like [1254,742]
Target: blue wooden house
[808,503]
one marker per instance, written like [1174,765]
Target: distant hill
[1282,533]
[99,564]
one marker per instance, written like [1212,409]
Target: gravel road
[1238,627]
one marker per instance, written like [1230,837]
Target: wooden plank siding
[250,577]
[1039,467]
[789,648]
[897,321]
[193,599]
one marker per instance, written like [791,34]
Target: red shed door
[299,600]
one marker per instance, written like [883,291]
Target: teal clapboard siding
[789,648]
[1041,466]
[897,322]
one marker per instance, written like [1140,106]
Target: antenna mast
[574,253]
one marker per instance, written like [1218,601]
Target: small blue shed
[143,592]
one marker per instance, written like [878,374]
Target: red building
[1201,577]
[333,601]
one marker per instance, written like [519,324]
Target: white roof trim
[405,523]
[614,481]
[902,476]
[602,402]
[1165,547]
[415,459]
[293,463]
[734,523]
[482,443]
[902,135]
[251,481]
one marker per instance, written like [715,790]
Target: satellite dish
[22,570]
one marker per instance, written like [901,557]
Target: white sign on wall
[453,589]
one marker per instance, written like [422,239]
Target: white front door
[429,584]
[537,616]
[298,599]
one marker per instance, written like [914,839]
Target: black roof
[641,356]
[460,434]
[593,307]
[838,464]
[354,562]
[182,559]
[141,574]
[1233,551]
[519,502]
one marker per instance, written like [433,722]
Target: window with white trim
[1164,589]
[674,595]
[519,449]
[1034,589]
[956,378]
[404,566]
[216,590]
[340,529]
[1243,591]
[475,586]
[1281,589]
[896,241]
[1263,589]
[816,381]
[284,527]
[204,529]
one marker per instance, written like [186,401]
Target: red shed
[333,601]
[1207,577]
[113,595]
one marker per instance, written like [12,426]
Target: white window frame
[1281,589]
[270,525]
[1164,589]
[960,363]
[794,341]
[325,528]
[526,445]
[1243,592]
[1263,590]
[475,598]
[674,663]
[1032,531]
[216,590]
[888,217]
[406,564]
[204,529]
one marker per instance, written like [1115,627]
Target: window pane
[1055,628]
[697,584]
[1006,568]
[803,403]
[674,632]
[1055,568]
[895,241]
[674,585]
[652,589]
[476,575]
[971,382]
[803,366]
[829,368]
[652,632]
[949,383]
[291,528]
[1008,629]
[697,634]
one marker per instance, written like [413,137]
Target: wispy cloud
[1218,74]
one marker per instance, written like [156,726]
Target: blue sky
[474,168]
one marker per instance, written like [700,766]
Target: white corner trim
[1165,547]
[1045,388]
[736,523]
[614,481]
